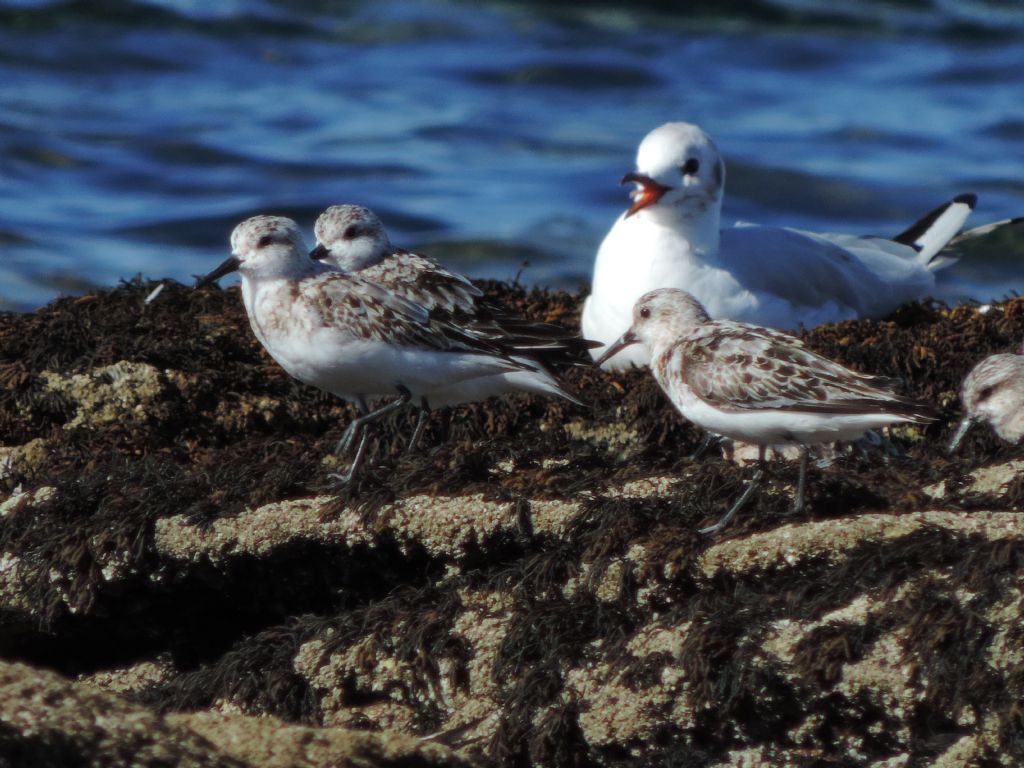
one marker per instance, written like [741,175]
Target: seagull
[994,392]
[670,237]
[350,336]
[756,384]
[352,238]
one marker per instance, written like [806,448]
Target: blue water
[133,136]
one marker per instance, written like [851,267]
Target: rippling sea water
[134,135]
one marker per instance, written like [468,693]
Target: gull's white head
[265,247]
[994,392]
[350,237]
[659,318]
[679,174]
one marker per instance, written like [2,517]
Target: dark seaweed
[240,433]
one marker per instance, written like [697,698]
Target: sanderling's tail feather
[540,382]
[934,231]
[550,345]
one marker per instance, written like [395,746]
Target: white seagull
[352,238]
[994,392]
[346,335]
[670,237]
[755,384]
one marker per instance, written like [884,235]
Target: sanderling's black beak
[625,340]
[961,430]
[320,253]
[227,266]
[649,191]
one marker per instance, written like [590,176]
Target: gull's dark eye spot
[351,232]
[691,166]
[265,241]
[985,394]
[645,312]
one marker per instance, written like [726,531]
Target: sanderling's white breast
[670,237]
[346,335]
[993,392]
[755,384]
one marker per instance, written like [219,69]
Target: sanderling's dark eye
[645,312]
[985,394]
[350,232]
[265,241]
[690,167]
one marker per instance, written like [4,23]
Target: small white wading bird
[755,384]
[351,238]
[994,392]
[670,237]
[346,335]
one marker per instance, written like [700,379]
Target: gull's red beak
[648,192]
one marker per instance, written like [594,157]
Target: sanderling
[346,335]
[755,384]
[352,238]
[994,392]
[783,278]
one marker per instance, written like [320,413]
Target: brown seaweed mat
[527,588]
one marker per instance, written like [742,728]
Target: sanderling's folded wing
[368,310]
[747,368]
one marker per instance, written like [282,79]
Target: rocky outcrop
[48,720]
[181,584]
